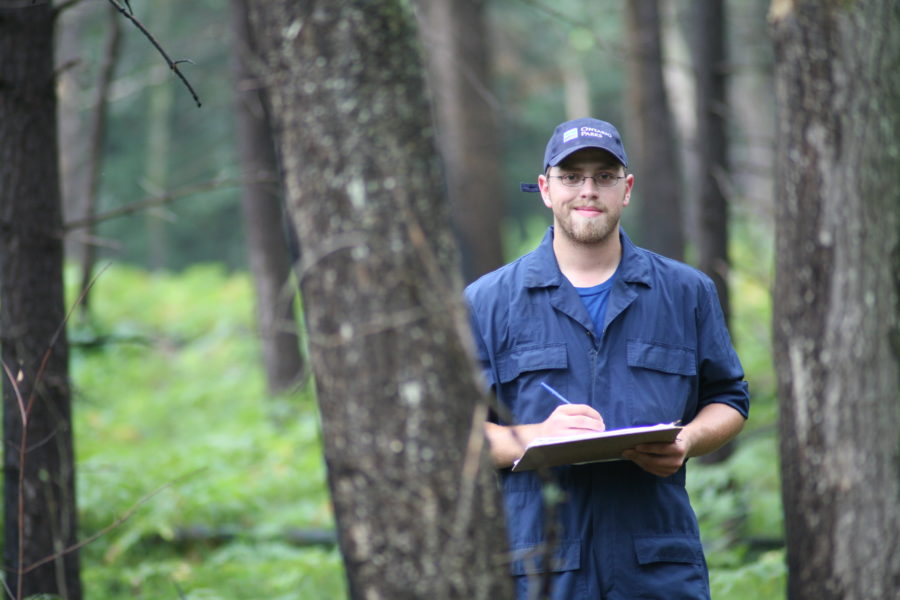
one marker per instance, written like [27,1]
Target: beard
[588,231]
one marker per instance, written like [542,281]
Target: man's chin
[590,236]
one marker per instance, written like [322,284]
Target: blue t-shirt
[595,298]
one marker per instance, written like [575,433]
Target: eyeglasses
[575,181]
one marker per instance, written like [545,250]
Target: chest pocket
[522,370]
[525,359]
[663,382]
[677,360]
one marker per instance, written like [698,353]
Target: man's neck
[587,265]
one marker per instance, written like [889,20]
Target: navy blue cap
[578,134]
[572,136]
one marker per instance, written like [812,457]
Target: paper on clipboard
[591,447]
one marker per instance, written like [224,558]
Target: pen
[554,392]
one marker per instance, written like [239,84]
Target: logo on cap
[570,135]
[594,132]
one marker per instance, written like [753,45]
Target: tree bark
[652,146]
[158,152]
[837,295]
[70,80]
[709,60]
[455,36]
[96,138]
[40,518]
[261,203]
[415,495]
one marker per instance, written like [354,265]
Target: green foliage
[763,578]
[174,429]
[172,423]
[738,502]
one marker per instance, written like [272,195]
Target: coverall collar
[543,270]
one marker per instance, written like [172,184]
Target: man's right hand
[508,442]
[571,419]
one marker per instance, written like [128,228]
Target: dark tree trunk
[39,484]
[455,36]
[263,217]
[415,495]
[837,295]
[652,149]
[709,61]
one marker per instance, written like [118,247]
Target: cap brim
[561,156]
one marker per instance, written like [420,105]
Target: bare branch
[15,387]
[159,200]
[126,11]
[125,516]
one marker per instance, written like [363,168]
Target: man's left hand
[714,425]
[661,459]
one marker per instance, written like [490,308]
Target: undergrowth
[173,422]
[174,430]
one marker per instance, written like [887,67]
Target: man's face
[587,214]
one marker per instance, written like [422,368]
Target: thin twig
[18,393]
[25,411]
[178,589]
[158,201]
[125,516]
[59,330]
[6,588]
[172,64]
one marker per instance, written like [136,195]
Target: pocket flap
[677,549]
[531,559]
[531,358]
[678,360]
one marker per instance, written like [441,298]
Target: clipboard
[592,447]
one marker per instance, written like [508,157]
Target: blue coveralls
[663,354]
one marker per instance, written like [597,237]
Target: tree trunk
[455,36]
[652,144]
[837,294]
[159,142]
[263,214]
[70,79]
[415,495]
[96,138]
[751,93]
[712,144]
[39,468]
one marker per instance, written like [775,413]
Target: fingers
[579,416]
[570,419]
[660,459]
[659,449]
[588,423]
[578,409]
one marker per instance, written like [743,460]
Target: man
[629,338]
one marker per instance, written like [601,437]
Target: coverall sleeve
[721,373]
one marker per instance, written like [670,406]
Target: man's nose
[589,187]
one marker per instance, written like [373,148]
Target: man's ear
[544,185]
[629,183]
